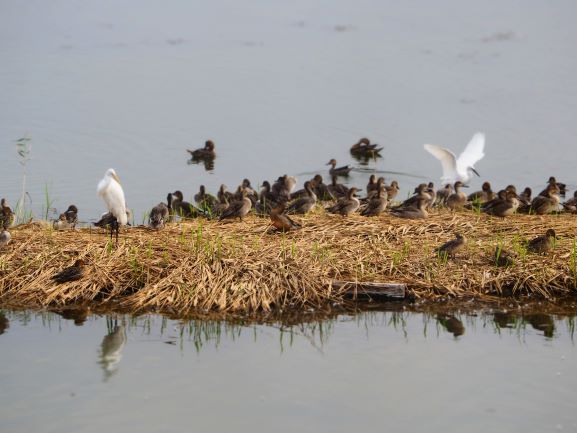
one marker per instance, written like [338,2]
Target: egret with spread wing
[461,168]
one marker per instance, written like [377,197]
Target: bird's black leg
[116,227]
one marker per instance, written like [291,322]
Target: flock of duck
[279,200]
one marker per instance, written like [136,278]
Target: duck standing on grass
[346,205]
[281,221]
[418,211]
[72,273]
[542,244]
[237,209]
[377,203]
[571,204]
[6,214]
[159,215]
[304,204]
[110,190]
[458,199]
[449,249]
[5,237]
[68,219]
[547,202]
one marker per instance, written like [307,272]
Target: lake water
[281,87]
[373,372]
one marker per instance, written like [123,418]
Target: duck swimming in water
[206,152]
[338,171]
[346,205]
[364,148]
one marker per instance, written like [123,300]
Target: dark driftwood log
[371,290]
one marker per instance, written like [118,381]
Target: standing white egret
[461,168]
[111,192]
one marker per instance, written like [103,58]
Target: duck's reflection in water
[111,350]
[451,324]
[4,323]
[541,322]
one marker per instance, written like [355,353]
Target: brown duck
[159,215]
[417,212]
[552,181]
[452,247]
[204,199]
[346,205]
[72,273]
[338,189]
[304,204]
[6,214]
[392,190]
[364,148]
[68,219]
[206,152]
[338,171]
[547,203]
[281,221]
[183,208]
[458,199]
[503,257]
[542,244]
[506,205]
[377,203]
[486,194]
[237,209]
[443,195]
[571,204]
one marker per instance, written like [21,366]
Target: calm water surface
[281,87]
[376,371]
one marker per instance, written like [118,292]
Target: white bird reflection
[111,350]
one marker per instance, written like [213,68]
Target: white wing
[473,153]
[448,162]
[113,196]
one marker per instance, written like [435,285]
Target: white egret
[461,168]
[111,192]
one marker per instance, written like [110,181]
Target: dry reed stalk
[245,267]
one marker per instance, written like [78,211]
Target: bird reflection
[207,162]
[451,324]
[78,314]
[504,319]
[4,323]
[111,350]
[542,322]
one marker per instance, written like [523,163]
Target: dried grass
[245,267]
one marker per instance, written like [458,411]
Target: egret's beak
[475,171]
[116,177]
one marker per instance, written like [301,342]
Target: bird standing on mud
[110,190]
[542,244]
[159,215]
